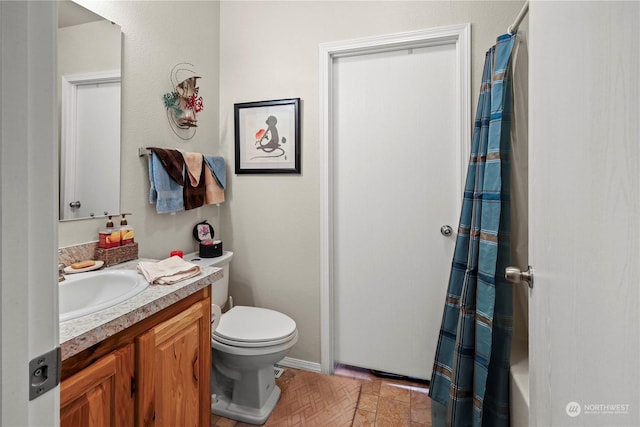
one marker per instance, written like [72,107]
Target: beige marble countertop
[78,334]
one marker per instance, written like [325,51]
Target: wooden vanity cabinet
[173,366]
[100,395]
[155,373]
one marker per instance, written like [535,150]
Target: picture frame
[267,136]
[203,231]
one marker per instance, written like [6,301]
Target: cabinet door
[173,362]
[100,395]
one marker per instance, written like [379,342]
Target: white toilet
[246,344]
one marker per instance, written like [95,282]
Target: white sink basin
[86,293]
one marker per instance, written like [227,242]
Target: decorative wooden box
[117,255]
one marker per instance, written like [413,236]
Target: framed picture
[268,136]
[203,231]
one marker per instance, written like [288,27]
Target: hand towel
[193,161]
[164,191]
[172,161]
[168,271]
[195,186]
[153,193]
[216,164]
[214,193]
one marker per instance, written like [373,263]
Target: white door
[90,145]
[28,203]
[98,150]
[396,182]
[585,213]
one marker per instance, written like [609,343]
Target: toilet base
[223,407]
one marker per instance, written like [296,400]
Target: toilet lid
[245,326]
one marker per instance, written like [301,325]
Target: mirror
[89,67]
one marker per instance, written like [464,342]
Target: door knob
[446,230]
[514,275]
[75,204]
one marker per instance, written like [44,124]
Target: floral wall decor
[184,101]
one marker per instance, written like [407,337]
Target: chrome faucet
[60,272]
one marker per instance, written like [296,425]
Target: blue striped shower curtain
[471,369]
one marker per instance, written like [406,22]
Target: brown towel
[172,161]
[194,196]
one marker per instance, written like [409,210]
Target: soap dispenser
[126,231]
[109,237]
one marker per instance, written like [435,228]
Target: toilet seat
[254,327]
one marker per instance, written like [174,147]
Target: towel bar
[143,151]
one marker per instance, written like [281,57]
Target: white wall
[156,36]
[90,47]
[269,50]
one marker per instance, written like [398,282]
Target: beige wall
[88,47]
[156,36]
[269,50]
[253,51]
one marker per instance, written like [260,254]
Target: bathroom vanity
[143,362]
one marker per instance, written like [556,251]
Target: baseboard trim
[300,364]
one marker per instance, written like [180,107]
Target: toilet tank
[220,289]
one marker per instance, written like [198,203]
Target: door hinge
[133,386]
[44,373]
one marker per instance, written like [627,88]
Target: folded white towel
[168,271]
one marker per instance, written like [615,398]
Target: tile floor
[382,402]
[389,402]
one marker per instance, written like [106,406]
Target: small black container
[210,249]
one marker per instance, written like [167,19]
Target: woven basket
[117,255]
